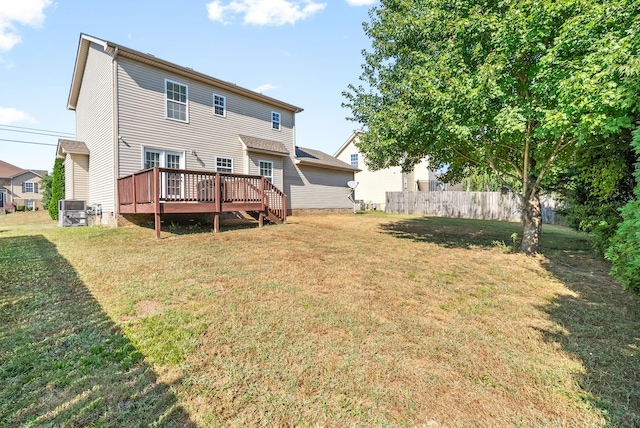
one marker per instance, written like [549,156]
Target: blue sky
[301,52]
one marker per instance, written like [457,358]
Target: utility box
[72,213]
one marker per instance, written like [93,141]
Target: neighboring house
[135,111]
[373,185]
[19,187]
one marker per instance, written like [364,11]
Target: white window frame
[29,183]
[261,171]
[223,105]
[276,121]
[163,164]
[3,196]
[29,203]
[218,167]
[354,160]
[167,100]
[163,156]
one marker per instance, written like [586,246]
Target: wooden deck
[163,190]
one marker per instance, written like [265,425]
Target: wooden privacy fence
[476,205]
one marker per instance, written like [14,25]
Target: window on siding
[219,105]
[224,164]
[354,160]
[29,187]
[30,205]
[177,96]
[275,120]
[151,159]
[266,170]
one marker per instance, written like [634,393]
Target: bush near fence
[474,205]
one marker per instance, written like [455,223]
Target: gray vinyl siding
[318,188]
[76,169]
[142,121]
[94,126]
[254,167]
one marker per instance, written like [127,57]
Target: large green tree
[506,87]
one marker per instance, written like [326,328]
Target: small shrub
[19,207]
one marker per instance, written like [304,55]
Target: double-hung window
[224,165]
[275,120]
[219,105]
[29,187]
[177,98]
[354,160]
[266,170]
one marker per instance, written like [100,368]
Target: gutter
[116,130]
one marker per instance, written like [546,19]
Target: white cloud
[23,12]
[265,87]
[361,2]
[264,12]
[9,115]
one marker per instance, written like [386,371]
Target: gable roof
[8,170]
[116,50]
[254,144]
[349,140]
[71,146]
[311,157]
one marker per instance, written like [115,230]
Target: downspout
[116,131]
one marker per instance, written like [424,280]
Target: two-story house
[19,187]
[135,111]
[373,185]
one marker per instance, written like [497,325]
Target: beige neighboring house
[19,187]
[135,111]
[373,185]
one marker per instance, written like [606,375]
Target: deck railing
[148,190]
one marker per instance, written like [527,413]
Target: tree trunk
[532,224]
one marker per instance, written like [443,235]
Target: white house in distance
[373,185]
[137,112]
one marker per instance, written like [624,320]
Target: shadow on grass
[63,362]
[602,323]
[187,224]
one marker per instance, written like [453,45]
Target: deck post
[218,195]
[284,207]
[156,200]
[135,197]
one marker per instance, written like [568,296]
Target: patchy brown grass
[363,320]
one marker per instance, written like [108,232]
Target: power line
[29,142]
[35,133]
[36,129]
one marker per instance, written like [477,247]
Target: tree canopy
[511,88]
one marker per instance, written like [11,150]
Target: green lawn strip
[62,361]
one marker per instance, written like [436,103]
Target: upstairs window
[224,164]
[354,160]
[177,96]
[29,187]
[275,120]
[219,105]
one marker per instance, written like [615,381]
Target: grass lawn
[328,320]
